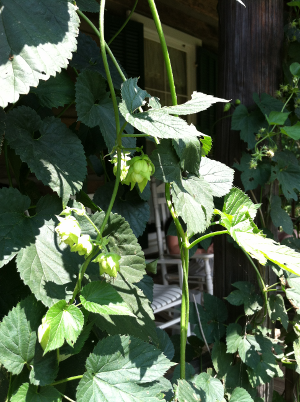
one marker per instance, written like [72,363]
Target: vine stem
[164,50]
[89,22]
[263,286]
[77,377]
[124,25]
[206,237]
[66,108]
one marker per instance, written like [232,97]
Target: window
[182,51]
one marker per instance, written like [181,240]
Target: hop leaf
[83,246]
[44,333]
[108,264]
[140,171]
[68,229]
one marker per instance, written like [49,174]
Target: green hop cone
[108,264]
[83,246]
[44,333]
[68,230]
[237,102]
[140,171]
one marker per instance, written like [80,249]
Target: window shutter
[207,83]
[128,46]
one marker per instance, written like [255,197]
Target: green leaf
[2,127]
[189,373]
[277,310]
[90,6]
[279,216]
[154,122]
[18,334]
[268,104]
[132,269]
[235,201]
[95,108]
[295,67]
[165,344]
[49,268]
[264,371]
[240,395]
[146,286]
[55,92]
[206,145]
[198,103]
[292,132]
[286,171]
[233,337]
[220,359]
[66,350]
[28,57]
[296,347]
[189,153]
[186,391]
[152,267]
[127,204]
[251,178]
[212,316]
[100,297]
[247,123]
[237,376]
[29,393]
[118,367]
[51,156]
[247,295]
[44,369]
[88,57]
[17,230]
[65,322]
[217,175]
[193,201]
[213,388]
[277,118]
[166,162]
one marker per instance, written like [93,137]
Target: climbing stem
[125,23]
[206,237]
[262,283]
[164,50]
[89,22]
[184,309]
[77,377]
[66,108]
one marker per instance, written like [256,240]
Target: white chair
[166,296]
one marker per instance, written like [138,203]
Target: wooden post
[250,45]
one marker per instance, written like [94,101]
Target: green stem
[184,310]
[89,22]
[65,109]
[77,377]
[206,237]
[164,50]
[260,211]
[135,135]
[263,286]
[92,223]
[114,194]
[222,118]
[275,284]
[172,211]
[7,164]
[81,274]
[9,389]
[106,67]
[76,72]
[125,23]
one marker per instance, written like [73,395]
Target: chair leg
[209,282]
